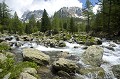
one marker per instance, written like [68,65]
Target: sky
[20,6]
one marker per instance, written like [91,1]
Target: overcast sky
[50,5]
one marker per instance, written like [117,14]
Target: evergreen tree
[45,22]
[55,22]
[4,15]
[88,13]
[15,25]
[38,24]
[72,25]
[31,26]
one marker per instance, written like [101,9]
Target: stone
[24,75]
[61,44]
[66,65]
[98,41]
[63,74]
[36,56]
[63,54]
[32,71]
[9,54]
[116,71]
[96,72]
[93,55]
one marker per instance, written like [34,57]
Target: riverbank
[59,56]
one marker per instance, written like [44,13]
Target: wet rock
[66,65]
[112,44]
[85,47]
[61,44]
[116,71]
[8,38]
[36,56]
[98,41]
[24,75]
[63,54]
[63,74]
[95,72]
[25,38]
[110,48]
[93,55]
[45,72]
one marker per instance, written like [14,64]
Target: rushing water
[111,56]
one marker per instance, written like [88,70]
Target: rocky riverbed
[61,56]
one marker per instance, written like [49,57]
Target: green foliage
[88,13]
[72,25]
[45,23]
[9,66]
[4,47]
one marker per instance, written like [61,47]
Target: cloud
[50,5]
[96,8]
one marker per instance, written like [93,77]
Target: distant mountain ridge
[75,12]
[27,15]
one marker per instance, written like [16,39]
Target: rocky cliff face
[27,15]
[75,12]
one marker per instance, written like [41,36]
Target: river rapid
[111,55]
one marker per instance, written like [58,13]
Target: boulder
[66,65]
[61,44]
[63,54]
[93,55]
[32,71]
[25,38]
[36,56]
[95,72]
[98,41]
[24,75]
[116,71]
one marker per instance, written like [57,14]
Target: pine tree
[72,25]
[45,22]
[4,15]
[88,13]
[16,26]
[55,22]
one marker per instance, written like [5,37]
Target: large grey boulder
[66,65]
[93,55]
[36,56]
